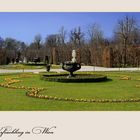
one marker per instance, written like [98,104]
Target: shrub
[77,78]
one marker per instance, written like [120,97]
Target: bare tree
[76,37]
[95,34]
[37,41]
[53,40]
[62,35]
[125,32]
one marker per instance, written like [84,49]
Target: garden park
[51,74]
[53,91]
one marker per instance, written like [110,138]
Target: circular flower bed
[76,78]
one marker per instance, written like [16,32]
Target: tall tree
[1,42]
[76,37]
[95,34]
[126,33]
[53,40]
[62,35]
[37,41]
[12,48]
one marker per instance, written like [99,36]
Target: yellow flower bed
[125,78]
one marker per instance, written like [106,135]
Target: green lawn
[16,99]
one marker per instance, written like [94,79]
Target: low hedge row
[33,64]
[77,78]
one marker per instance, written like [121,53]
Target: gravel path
[83,68]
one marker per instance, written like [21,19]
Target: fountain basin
[71,67]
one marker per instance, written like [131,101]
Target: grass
[15,99]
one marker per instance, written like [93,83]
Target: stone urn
[71,67]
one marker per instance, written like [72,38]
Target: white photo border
[70,125]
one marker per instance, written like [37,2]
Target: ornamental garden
[70,89]
[30,91]
[46,75]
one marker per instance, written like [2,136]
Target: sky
[24,26]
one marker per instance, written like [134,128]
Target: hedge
[77,78]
